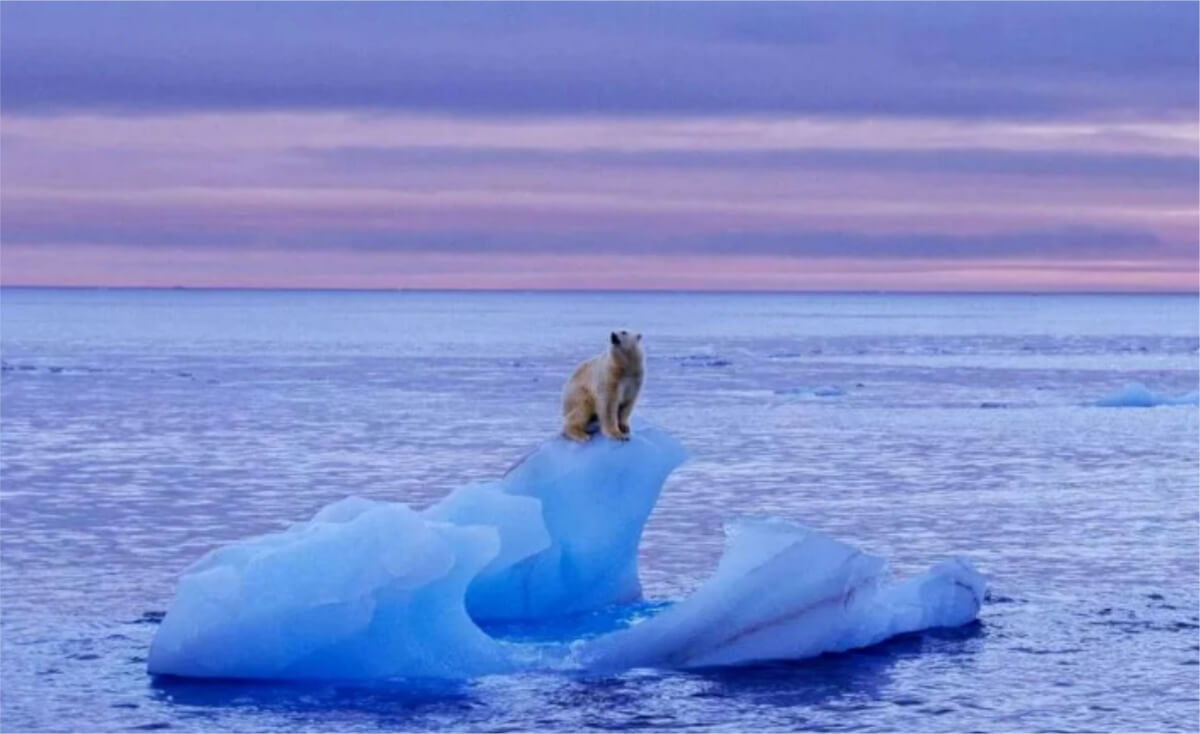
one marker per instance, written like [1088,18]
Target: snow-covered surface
[1137,395]
[370,589]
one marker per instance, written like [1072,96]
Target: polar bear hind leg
[576,418]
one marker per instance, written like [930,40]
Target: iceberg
[377,590]
[370,589]
[1137,395]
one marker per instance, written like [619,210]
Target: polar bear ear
[614,338]
[639,337]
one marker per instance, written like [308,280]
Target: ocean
[142,428]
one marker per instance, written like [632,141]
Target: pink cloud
[166,267]
[228,192]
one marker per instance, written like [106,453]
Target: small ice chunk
[704,358]
[828,391]
[822,391]
[1137,395]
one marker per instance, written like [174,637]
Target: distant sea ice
[1137,395]
[823,391]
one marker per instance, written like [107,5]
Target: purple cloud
[958,60]
[1146,169]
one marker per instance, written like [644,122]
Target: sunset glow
[676,146]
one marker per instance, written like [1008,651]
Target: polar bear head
[626,344]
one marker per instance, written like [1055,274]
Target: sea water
[140,429]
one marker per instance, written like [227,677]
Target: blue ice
[783,591]
[589,504]
[823,391]
[1137,395]
[373,590]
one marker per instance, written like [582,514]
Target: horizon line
[665,291]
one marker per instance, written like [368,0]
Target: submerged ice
[369,589]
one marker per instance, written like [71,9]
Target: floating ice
[372,589]
[369,589]
[701,360]
[782,591]
[823,391]
[703,357]
[1137,395]
[364,590]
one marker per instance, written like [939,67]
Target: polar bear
[605,387]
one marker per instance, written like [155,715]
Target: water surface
[142,428]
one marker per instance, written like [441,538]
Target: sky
[727,146]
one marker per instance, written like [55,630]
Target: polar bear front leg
[608,409]
[623,417]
